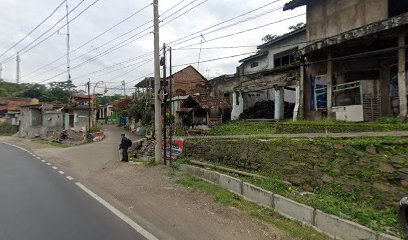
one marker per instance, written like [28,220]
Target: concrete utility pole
[157,103]
[18,60]
[171,107]
[124,87]
[1,71]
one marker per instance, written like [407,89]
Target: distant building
[41,120]
[10,108]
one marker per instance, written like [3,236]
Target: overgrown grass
[54,144]
[7,129]
[333,199]
[227,198]
[323,126]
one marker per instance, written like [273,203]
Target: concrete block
[293,209]
[196,171]
[387,237]
[257,195]
[231,183]
[211,176]
[342,229]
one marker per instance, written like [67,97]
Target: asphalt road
[38,203]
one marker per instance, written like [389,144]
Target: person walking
[125,144]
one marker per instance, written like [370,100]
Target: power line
[106,43]
[35,28]
[244,31]
[118,46]
[225,21]
[73,19]
[22,51]
[91,40]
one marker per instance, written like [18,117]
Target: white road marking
[54,167]
[61,172]
[118,213]
[49,164]
[43,161]
[70,178]
[38,158]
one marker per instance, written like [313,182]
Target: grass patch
[54,144]
[7,129]
[225,197]
[347,205]
[323,126]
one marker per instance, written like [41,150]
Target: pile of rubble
[144,148]
[266,110]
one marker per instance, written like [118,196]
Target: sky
[125,52]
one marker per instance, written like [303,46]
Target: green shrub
[7,129]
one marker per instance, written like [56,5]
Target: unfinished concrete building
[271,75]
[355,59]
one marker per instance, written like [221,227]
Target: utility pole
[171,107]
[157,105]
[124,87]
[18,60]
[89,105]
[164,87]
[1,71]
[68,46]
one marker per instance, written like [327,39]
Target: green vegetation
[227,198]
[359,179]
[54,144]
[7,129]
[57,91]
[324,126]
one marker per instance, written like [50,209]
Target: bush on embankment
[7,129]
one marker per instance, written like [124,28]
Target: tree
[269,37]
[297,26]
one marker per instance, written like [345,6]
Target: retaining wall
[331,225]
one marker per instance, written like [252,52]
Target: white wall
[267,62]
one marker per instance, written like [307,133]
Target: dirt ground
[149,195]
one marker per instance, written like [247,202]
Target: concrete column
[279,103]
[402,85]
[329,85]
[237,105]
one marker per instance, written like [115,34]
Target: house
[41,120]
[10,108]
[80,99]
[355,59]
[105,112]
[185,82]
[76,118]
[203,110]
[223,87]
[272,74]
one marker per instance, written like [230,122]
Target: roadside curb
[330,225]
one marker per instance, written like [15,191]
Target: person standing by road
[125,144]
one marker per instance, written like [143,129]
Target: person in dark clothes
[124,145]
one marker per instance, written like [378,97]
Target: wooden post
[329,85]
[402,85]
